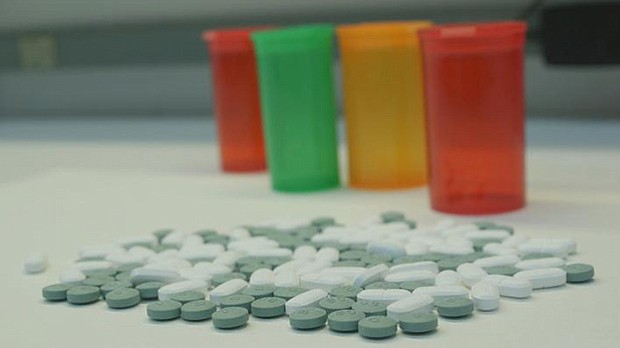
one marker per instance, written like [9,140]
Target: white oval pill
[409,276]
[167,291]
[71,276]
[262,276]
[271,252]
[174,239]
[228,288]
[371,275]
[194,274]
[502,260]
[386,248]
[172,263]
[546,262]
[415,248]
[286,279]
[471,273]
[499,249]
[212,268]
[125,258]
[143,274]
[449,249]
[321,281]
[385,296]
[543,278]
[35,263]
[304,252]
[97,252]
[327,254]
[448,277]
[228,258]
[409,304]
[415,266]
[544,247]
[307,299]
[515,240]
[441,292]
[509,286]
[485,296]
[92,265]
[201,252]
[498,235]
[149,241]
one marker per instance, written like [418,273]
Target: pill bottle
[295,67]
[236,100]
[473,79]
[383,104]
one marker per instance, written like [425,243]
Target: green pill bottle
[295,69]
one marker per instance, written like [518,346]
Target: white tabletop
[63,185]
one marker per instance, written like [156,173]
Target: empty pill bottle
[475,112]
[295,67]
[383,104]
[236,100]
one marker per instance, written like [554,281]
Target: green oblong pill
[230,317]
[122,298]
[392,216]
[308,318]
[345,320]
[507,270]
[197,310]
[188,296]
[269,307]
[55,292]
[123,276]
[259,291]
[111,286]
[83,294]
[370,308]
[345,291]
[148,290]
[454,307]
[349,263]
[100,273]
[163,310]
[377,327]
[237,300]
[355,255]
[451,263]
[579,272]
[418,322]
[331,304]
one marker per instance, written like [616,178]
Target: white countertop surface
[64,184]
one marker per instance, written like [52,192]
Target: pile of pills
[370,278]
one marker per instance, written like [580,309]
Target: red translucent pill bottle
[236,99]
[475,113]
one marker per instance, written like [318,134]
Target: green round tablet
[308,318]
[370,308]
[83,294]
[100,273]
[268,307]
[353,255]
[409,259]
[307,232]
[331,304]
[579,272]
[230,318]
[97,281]
[344,320]
[323,221]
[148,290]
[418,322]
[163,310]
[507,270]
[454,307]
[220,279]
[128,267]
[111,286]
[188,296]
[392,216]
[349,263]
[216,239]
[414,284]
[288,293]
[436,257]
[248,260]
[275,261]
[197,310]
[55,292]
[536,256]
[259,291]
[451,263]
[123,298]
[237,300]
[376,258]
[345,291]
[123,276]
[381,285]
[377,327]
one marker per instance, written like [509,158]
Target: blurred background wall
[137,58]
